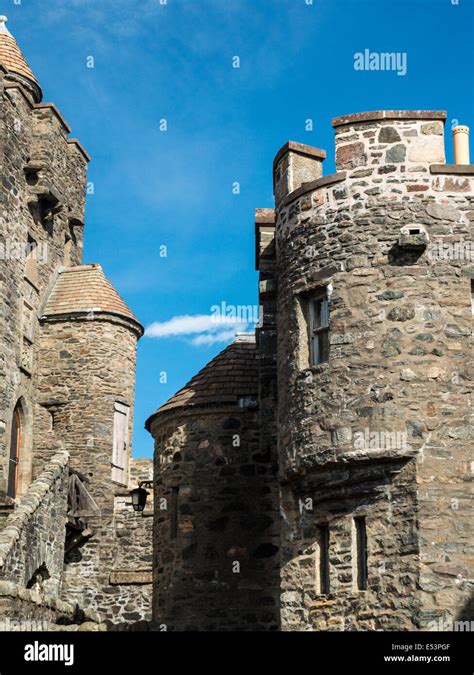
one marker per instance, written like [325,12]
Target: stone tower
[216,519]
[67,356]
[42,216]
[375,377]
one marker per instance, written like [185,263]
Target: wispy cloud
[197,329]
[208,339]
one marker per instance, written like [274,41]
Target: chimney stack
[294,165]
[461,145]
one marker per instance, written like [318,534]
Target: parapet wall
[28,610]
[33,538]
[390,140]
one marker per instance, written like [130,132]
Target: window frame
[361,553]
[318,327]
[324,555]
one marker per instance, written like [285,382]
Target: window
[361,553]
[120,444]
[174,513]
[14,458]
[324,581]
[472,296]
[318,325]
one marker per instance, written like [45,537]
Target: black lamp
[139,496]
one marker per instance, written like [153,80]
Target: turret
[216,548]
[374,379]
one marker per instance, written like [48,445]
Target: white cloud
[212,339]
[199,329]
[181,325]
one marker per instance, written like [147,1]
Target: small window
[361,553]
[318,325]
[324,580]
[174,513]
[472,296]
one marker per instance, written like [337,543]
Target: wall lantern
[139,495]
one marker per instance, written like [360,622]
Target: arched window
[15,449]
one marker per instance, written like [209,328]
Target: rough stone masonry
[315,476]
[67,376]
[364,401]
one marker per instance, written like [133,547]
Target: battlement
[381,148]
[404,140]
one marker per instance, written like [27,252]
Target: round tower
[86,383]
[216,520]
[375,270]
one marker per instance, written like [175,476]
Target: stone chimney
[294,165]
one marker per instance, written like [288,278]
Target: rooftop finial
[3,26]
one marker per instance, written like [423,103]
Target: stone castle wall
[400,363]
[65,374]
[42,199]
[27,610]
[131,573]
[216,539]
[32,538]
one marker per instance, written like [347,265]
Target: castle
[321,475]
[313,476]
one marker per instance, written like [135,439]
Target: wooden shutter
[120,443]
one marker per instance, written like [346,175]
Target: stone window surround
[302,298]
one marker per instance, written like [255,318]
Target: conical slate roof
[85,290]
[14,62]
[230,376]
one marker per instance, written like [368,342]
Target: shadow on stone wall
[467,612]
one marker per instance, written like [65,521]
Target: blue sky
[174,188]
